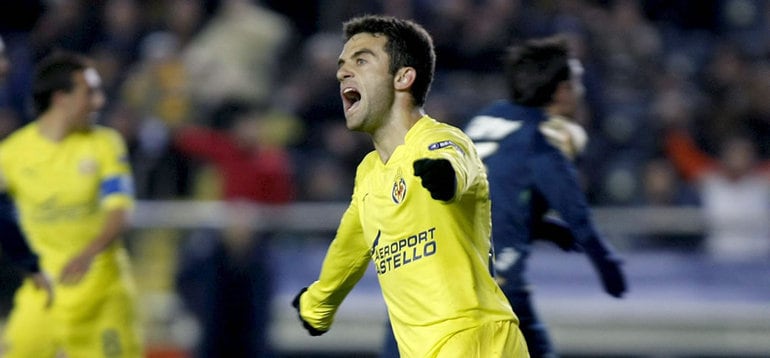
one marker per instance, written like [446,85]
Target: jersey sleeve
[117,188]
[455,147]
[345,263]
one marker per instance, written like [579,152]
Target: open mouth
[350,97]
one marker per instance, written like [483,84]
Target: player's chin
[352,125]
[91,118]
[353,121]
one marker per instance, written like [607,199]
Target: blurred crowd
[172,64]
[209,92]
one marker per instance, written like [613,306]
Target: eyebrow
[356,54]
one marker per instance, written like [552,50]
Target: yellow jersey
[61,189]
[431,257]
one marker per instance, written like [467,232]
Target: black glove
[295,303]
[612,277]
[608,266]
[556,231]
[437,176]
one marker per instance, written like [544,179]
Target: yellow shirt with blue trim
[431,257]
[62,191]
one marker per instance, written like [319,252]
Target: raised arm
[684,153]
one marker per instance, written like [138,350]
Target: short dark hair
[55,73]
[534,69]
[408,44]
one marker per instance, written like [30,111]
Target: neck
[556,108]
[553,110]
[53,126]
[393,131]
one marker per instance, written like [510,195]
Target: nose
[98,99]
[343,73]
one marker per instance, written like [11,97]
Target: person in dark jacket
[527,143]
[14,246]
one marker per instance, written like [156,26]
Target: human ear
[404,78]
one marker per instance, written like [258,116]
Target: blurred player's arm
[77,267]
[555,230]
[557,181]
[201,142]
[684,153]
[570,139]
[345,263]
[116,201]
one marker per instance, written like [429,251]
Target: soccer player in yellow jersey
[420,209]
[71,183]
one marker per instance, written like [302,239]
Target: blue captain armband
[121,184]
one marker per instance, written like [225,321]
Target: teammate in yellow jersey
[71,184]
[420,209]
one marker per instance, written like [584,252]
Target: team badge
[88,166]
[399,190]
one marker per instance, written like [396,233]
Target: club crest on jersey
[444,144]
[399,190]
[88,166]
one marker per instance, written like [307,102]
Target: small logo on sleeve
[444,144]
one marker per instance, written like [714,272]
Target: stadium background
[651,66]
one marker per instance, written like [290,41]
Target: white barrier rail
[324,216]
